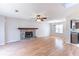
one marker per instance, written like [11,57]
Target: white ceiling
[28,10]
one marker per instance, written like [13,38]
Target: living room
[36,28]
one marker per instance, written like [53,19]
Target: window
[59,28]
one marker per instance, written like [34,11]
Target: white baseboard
[13,41]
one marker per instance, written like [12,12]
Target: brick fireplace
[27,32]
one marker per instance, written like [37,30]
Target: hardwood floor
[39,47]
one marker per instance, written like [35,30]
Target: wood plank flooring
[38,47]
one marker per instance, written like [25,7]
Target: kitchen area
[74,31]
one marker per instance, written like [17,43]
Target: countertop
[75,30]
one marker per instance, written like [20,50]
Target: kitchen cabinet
[77,25]
[74,31]
[74,37]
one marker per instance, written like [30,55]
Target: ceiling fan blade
[45,18]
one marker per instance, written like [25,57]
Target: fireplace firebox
[29,34]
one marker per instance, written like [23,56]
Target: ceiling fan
[39,17]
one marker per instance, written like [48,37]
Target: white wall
[13,34]
[2,30]
[44,29]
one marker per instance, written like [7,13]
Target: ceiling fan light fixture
[40,18]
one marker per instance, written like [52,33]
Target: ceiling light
[38,20]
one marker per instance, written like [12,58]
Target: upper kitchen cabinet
[74,24]
[77,25]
